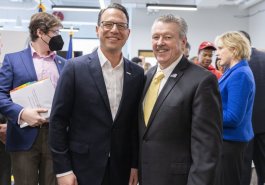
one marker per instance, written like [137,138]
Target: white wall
[204,24]
[257,25]
[12,41]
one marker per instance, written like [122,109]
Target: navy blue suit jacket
[257,65]
[18,69]
[82,131]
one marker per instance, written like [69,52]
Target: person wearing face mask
[30,154]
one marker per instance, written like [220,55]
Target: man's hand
[3,133]
[33,116]
[67,180]
[133,177]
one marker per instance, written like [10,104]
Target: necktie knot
[159,76]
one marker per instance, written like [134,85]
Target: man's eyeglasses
[56,32]
[108,25]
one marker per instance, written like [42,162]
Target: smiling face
[166,43]
[112,39]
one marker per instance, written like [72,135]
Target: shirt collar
[167,71]
[104,61]
[34,54]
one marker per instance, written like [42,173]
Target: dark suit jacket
[182,142]
[257,65]
[82,131]
[18,69]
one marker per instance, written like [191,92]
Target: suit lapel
[59,63]
[171,82]
[149,78]
[128,76]
[96,72]
[27,61]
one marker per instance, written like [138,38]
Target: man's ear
[39,32]
[97,30]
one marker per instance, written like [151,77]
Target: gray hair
[170,18]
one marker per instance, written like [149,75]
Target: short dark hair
[115,6]
[246,35]
[44,22]
[3,119]
[187,45]
[136,60]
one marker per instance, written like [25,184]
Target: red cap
[206,44]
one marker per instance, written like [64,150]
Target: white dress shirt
[113,78]
[167,72]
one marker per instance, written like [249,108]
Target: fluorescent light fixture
[102,4]
[69,29]
[75,8]
[170,7]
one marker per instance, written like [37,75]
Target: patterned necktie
[151,95]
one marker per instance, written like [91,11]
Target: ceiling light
[170,7]
[69,29]
[102,4]
[75,8]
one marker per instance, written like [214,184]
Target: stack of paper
[34,95]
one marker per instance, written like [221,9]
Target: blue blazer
[237,89]
[18,69]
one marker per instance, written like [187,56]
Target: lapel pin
[59,61]
[128,73]
[174,75]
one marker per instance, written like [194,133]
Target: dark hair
[44,22]
[216,65]
[3,119]
[115,6]
[136,60]
[246,35]
[187,45]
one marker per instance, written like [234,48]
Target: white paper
[36,95]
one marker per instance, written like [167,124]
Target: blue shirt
[237,87]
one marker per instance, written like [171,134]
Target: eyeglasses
[56,32]
[108,25]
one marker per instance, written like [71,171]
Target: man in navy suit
[28,146]
[93,130]
[256,147]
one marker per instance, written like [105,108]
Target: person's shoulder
[198,70]
[257,55]
[17,52]
[61,59]
[133,65]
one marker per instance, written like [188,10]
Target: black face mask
[56,43]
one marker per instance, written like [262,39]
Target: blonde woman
[237,89]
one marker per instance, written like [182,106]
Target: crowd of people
[116,122]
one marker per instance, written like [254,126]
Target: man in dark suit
[256,147]
[93,133]
[180,133]
[28,144]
